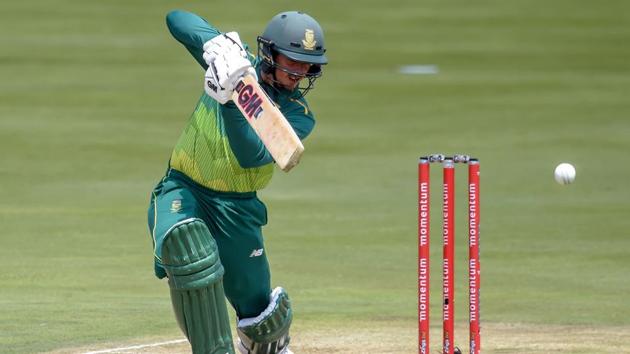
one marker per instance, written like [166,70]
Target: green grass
[94,94]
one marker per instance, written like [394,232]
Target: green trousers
[234,220]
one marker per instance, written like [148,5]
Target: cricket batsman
[204,217]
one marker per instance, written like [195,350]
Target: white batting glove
[212,88]
[227,62]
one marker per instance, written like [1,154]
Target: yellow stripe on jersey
[301,104]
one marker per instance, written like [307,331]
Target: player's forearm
[246,145]
[192,31]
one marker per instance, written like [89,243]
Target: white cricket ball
[564,173]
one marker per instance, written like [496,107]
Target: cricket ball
[564,173]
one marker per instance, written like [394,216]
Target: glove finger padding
[230,68]
[209,57]
[224,40]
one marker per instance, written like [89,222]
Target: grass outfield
[94,94]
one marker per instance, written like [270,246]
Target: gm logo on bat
[249,100]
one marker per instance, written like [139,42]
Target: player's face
[290,72]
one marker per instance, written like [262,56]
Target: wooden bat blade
[268,122]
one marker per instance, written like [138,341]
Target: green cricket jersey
[218,149]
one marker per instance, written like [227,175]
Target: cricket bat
[268,122]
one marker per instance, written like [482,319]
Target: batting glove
[227,63]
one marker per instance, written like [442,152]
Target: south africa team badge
[176,206]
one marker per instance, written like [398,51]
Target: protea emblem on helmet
[309,39]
